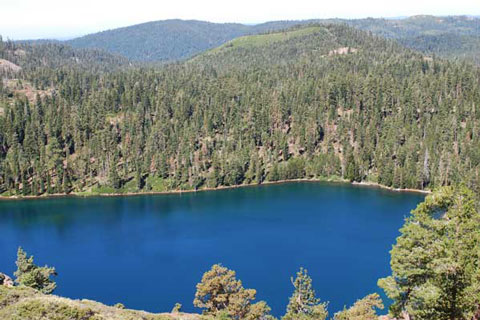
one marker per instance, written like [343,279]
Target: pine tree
[303,304]
[435,271]
[363,309]
[220,292]
[113,177]
[30,275]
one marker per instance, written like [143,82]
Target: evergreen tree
[379,112]
[363,309]
[113,177]
[220,291]
[303,304]
[435,270]
[30,275]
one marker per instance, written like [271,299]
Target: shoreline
[377,185]
[129,194]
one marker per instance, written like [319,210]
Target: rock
[5,280]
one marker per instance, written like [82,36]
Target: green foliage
[114,180]
[303,304]
[162,40]
[454,36]
[265,39]
[158,184]
[37,309]
[30,275]
[259,311]
[103,190]
[221,294]
[363,309]
[435,272]
[176,308]
[292,109]
[54,54]
[222,315]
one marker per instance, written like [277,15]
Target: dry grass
[6,65]
[25,88]
[28,304]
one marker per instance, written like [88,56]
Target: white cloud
[61,18]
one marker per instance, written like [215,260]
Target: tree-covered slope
[450,37]
[162,40]
[325,102]
[418,25]
[45,54]
[299,44]
[178,39]
[448,45]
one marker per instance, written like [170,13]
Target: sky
[59,19]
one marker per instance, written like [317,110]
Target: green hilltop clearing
[268,38]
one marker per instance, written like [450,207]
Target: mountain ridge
[317,102]
[176,39]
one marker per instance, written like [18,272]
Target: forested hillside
[449,37]
[37,55]
[315,102]
[452,37]
[162,40]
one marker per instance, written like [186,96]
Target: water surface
[149,251]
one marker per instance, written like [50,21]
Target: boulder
[5,280]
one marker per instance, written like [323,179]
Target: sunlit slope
[300,44]
[269,39]
[172,40]
[19,303]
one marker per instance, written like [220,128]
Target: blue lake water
[149,251]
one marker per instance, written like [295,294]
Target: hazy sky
[30,19]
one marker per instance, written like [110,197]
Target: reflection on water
[149,251]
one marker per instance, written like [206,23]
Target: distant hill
[54,54]
[162,40]
[170,40]
[302,44]
[449,37]
[26,67]
[418,25]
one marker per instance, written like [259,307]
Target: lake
[149,251]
